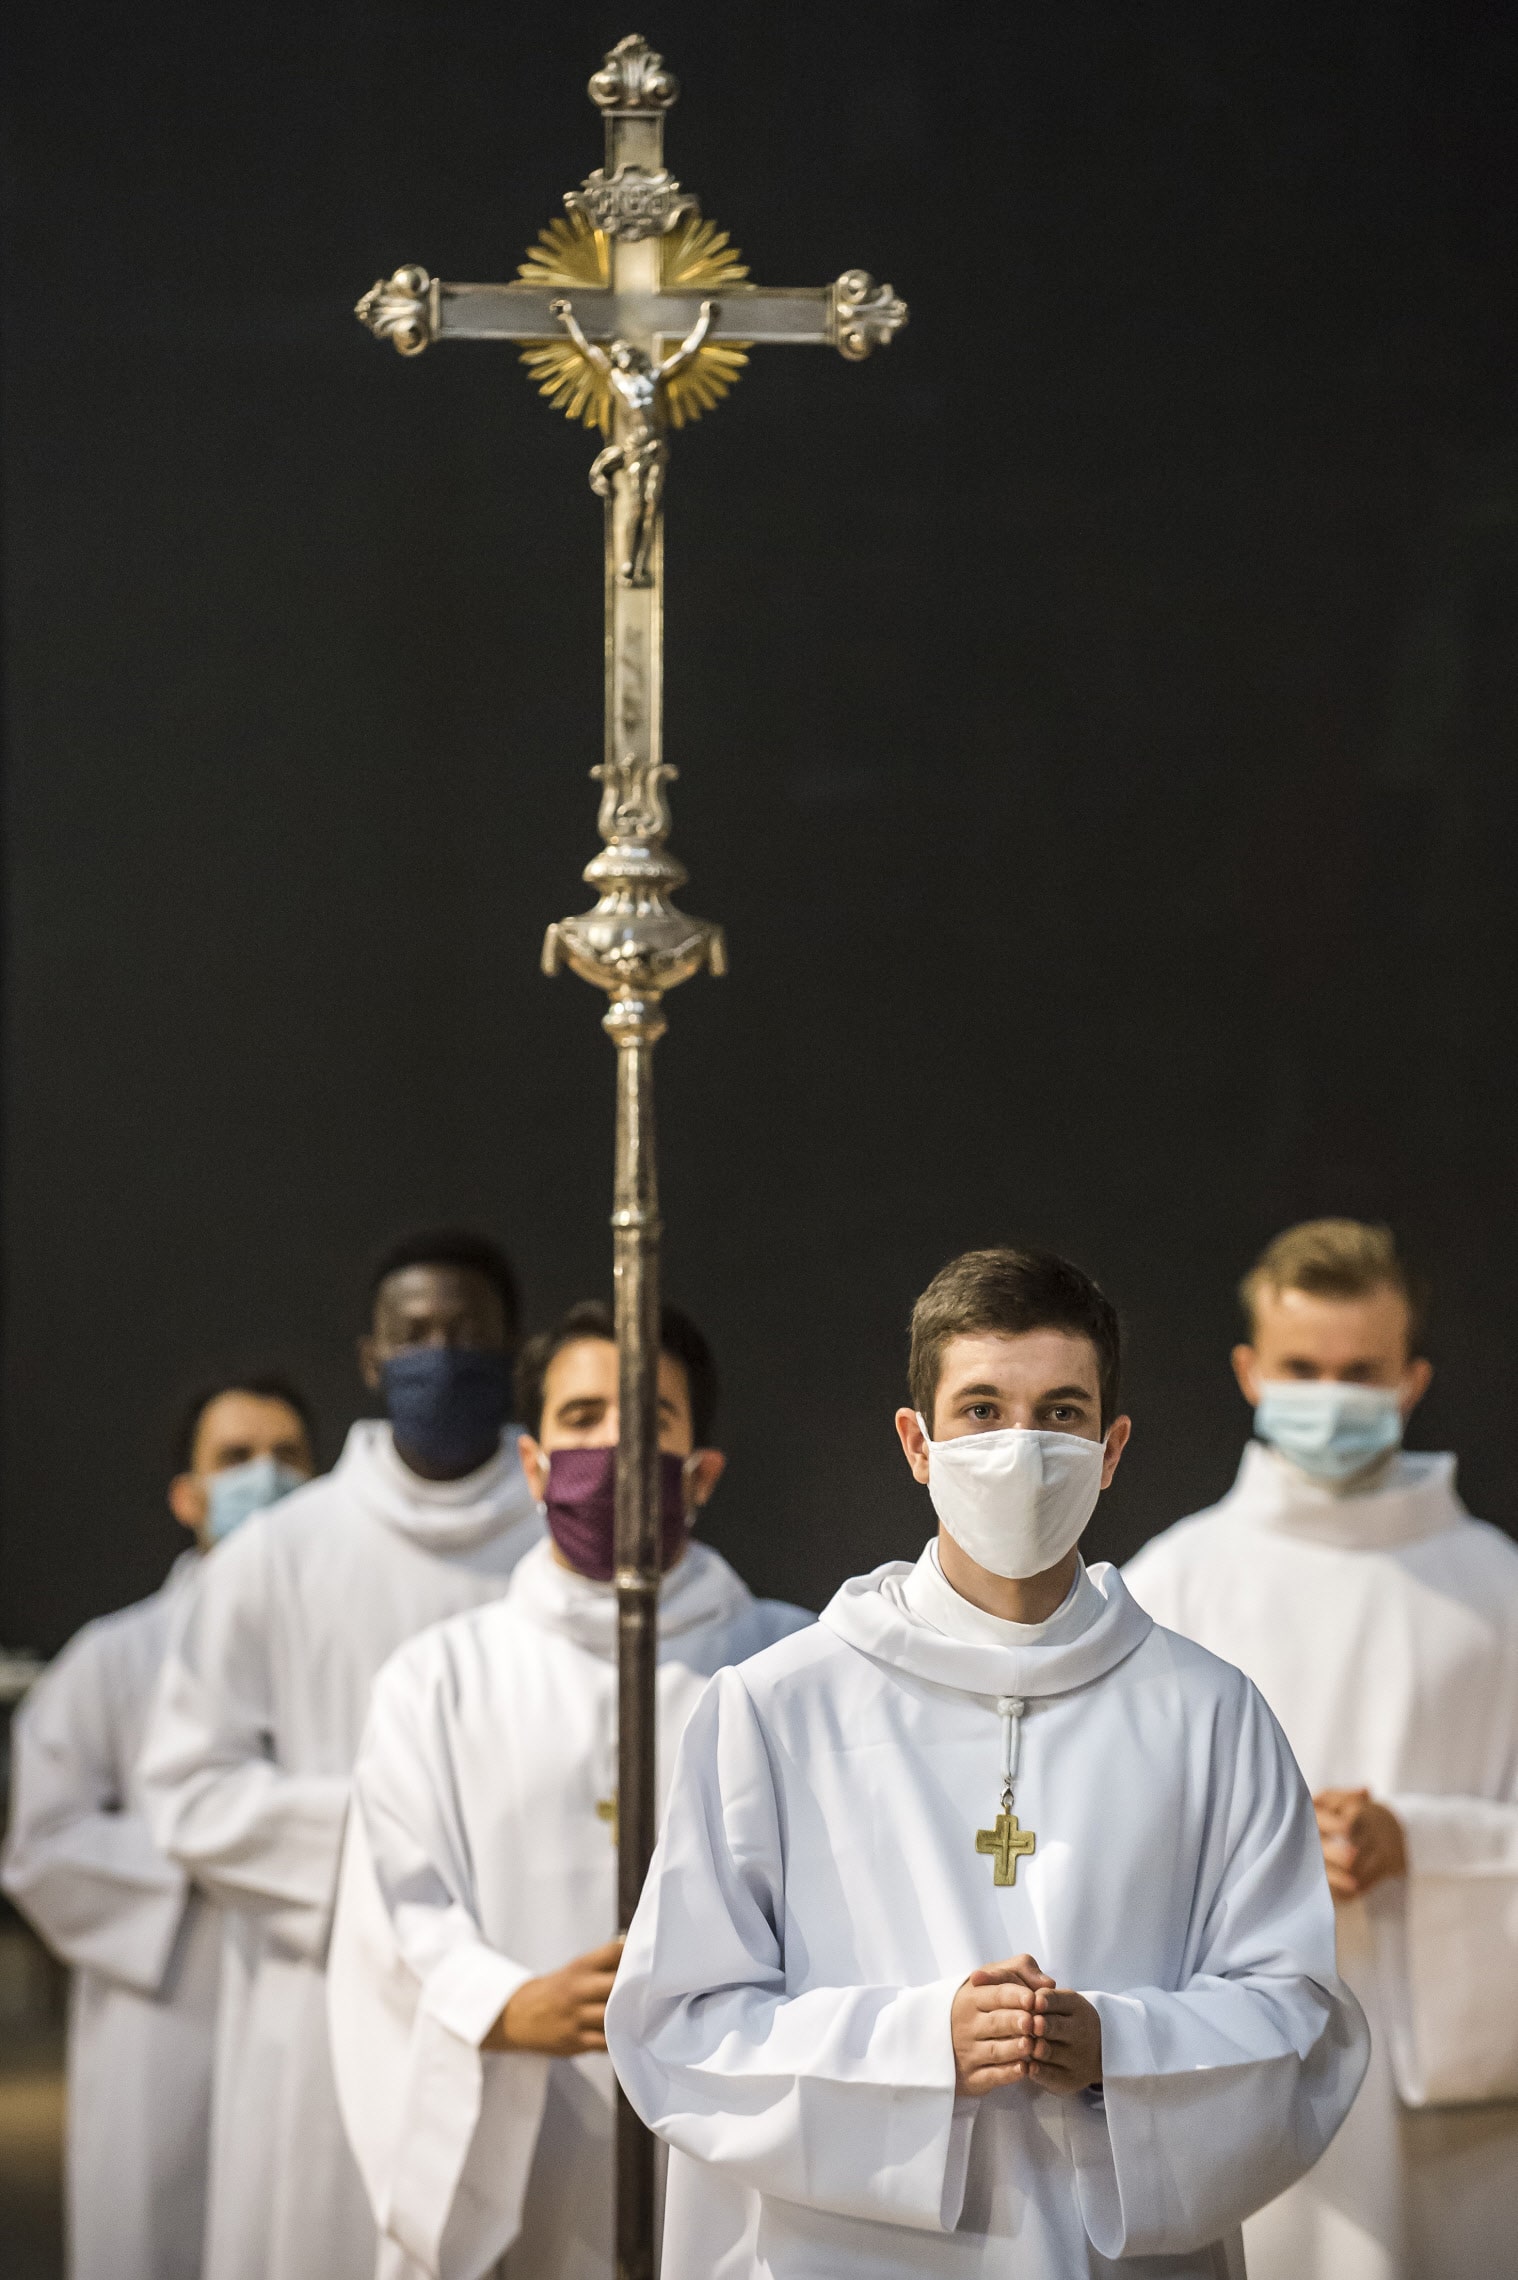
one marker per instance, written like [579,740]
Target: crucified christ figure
[643,454]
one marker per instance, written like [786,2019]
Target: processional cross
[635,316]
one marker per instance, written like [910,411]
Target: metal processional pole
[635,316]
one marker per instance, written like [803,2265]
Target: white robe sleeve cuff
[1447,1951]
[102,1896]
[841,2099]
[957,2166]
[469,1989]
[1212,2103]
[1457,1836]
[458,2102]
[1096,2188]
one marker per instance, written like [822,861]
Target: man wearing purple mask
[470,1961]
[569,1454]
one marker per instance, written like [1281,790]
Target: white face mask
[1016,1501]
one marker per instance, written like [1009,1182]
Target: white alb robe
[781,2016]
[477,1859]
[246,1771]
[142,1945]
[1382,1628]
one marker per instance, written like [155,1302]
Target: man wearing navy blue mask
[251,1745]
[1380,1622]
[437,1352]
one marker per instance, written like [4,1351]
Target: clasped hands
[1362,1841]
[1010,2023]
[564,2012]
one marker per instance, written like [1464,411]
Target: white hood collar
[182,1574]
[445,1515]
[901,1616]
[926,1591]
[701,1590]
[1414,1497]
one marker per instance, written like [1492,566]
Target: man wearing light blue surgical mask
[243,1447]
[1344,1575]
[1332,1378]
[143,1946]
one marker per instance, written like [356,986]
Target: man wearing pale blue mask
[142,1944]
[1345,1576]
[242,1447]
[257,1721]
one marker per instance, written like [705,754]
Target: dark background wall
[1096,714]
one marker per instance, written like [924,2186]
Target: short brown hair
[264,1385]
[1334,1258]
[593,1318]
[1010,1291]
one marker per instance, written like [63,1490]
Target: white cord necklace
[1005,1842]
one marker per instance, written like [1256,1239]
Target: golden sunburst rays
[698,257]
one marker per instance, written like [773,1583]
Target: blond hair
[1333,1258]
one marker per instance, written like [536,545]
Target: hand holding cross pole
[563,2012]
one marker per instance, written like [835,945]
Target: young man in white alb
[1381,1624]
[143,1945]
[251,1738]
[472,1952]
[988,1933]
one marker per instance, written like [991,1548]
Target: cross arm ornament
[853,314]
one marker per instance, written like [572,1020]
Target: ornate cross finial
[399,309]
[865,314]
[633,78]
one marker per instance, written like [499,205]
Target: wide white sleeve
[1220,2093]
[1447,1951]
[443,2133]
[257,1836]
[840,2098]
[79,1862]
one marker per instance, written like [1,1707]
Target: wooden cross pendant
[606,1810]
[1006,1844]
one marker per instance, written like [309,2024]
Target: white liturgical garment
[143,1947]
[781,2016]
[481,1855]
[1382,1628]
[246,1771]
